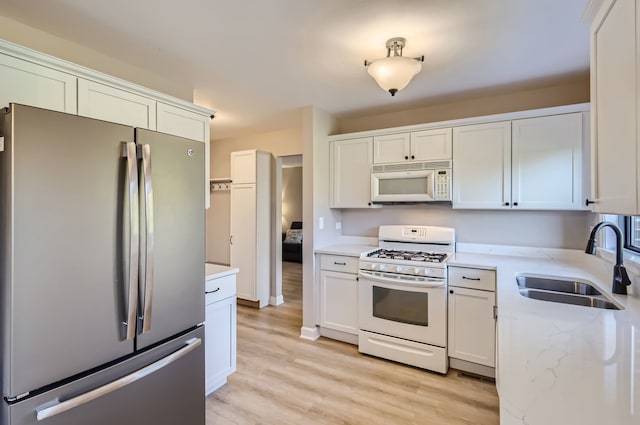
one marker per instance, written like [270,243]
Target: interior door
[63,303]
[172,298]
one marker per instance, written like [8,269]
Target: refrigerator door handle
[134,240]
[56,407]
[149,239]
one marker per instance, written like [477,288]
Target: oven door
[402,186]
[402,306]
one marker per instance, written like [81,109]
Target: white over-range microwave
[414,182]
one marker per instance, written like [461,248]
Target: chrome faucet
[620,277]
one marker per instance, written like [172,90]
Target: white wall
[552,229]
[317,125]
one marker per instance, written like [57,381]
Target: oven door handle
[429,283]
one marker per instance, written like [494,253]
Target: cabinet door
[482,166]
[243,238]
[339,301]
[108,103]
[472,333]
[220,342]
[614,97]
[183,123]
[546,167]
[391,148]
[431,145]
[350,173]
[243,166]
[34,85]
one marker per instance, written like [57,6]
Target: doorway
[287,218]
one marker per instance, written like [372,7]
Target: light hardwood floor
[282,379]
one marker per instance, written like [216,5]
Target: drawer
[464,277]
[339,263]
[220,288]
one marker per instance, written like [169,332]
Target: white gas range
[402,312]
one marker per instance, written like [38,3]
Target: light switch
[320,223]
[338,225]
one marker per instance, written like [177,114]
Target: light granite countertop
[215,271]
[563,364]
[349,250]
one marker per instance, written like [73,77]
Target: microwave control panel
[442,180]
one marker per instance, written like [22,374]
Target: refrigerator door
[162,386]
[172,291]
[62,180]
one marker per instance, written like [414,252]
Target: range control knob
[417,270]
[399,269]
[382,267]
[373,266]
[426,272]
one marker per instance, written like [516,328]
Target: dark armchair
[292,243]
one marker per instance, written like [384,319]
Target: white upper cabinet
[614,98]
[533,164]
[108,103]
[431,145]
[35,85]
[482,166]
[391,148]
[547,162]
[350,173]
[243,166]
[427,145]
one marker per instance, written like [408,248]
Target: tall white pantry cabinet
[250,239]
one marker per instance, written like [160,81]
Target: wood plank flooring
[282,379]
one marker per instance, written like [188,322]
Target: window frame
[628,236]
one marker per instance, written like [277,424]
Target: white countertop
[563,364]
[349,250]
[215,271]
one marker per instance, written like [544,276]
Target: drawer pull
[339,264]
[470,278]
[211,292]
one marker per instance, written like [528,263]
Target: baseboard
[254,304]
[473,368]
[276,300]
[309,333]
[339,335]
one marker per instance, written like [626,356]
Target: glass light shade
[394,73]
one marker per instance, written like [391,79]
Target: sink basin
[556,285]
[563,290]
[560,297]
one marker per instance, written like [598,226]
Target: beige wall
[291,196]
[41,41]
[565,91]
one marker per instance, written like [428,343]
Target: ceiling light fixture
[393,73]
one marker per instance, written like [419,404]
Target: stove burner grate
[430,257]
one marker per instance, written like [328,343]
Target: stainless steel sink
[556,285]
[563,290]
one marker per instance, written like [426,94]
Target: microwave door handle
[434,283]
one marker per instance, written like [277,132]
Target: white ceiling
[254,61]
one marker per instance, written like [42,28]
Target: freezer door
[62,229]
[163,386]
[172,290]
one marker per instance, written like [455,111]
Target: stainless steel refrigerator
[101,272]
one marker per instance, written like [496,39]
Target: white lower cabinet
[471,327]
[220,332]
[339,297]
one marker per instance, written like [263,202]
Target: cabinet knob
[451,291]
[515,204]
[413,157]
[406,157]
[369,204]
[506,204]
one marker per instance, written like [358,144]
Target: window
[632,233]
